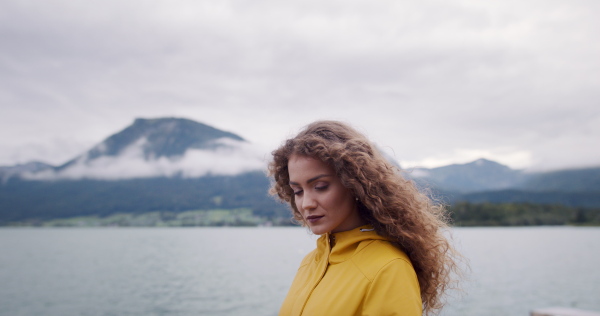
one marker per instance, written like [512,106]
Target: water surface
[247,271]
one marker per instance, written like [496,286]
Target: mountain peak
[161,147]
[160,137]
[479,175]
[167,137]
[485,163]
[482,161]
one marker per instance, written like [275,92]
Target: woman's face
[324,203]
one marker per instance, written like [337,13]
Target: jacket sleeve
[394,291]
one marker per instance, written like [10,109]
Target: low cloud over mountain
[164,147]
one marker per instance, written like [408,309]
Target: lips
[314,218]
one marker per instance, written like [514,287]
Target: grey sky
[433,82]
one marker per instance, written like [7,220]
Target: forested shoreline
[521,214]
[462,214]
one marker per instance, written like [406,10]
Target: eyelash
[318,188]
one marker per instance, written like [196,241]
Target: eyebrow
[311,179]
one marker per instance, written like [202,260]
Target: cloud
[230,158]
[425,78]
[506,156]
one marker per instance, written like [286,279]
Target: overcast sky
[432,82]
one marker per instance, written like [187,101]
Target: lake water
[247,271]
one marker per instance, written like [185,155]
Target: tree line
[521,214]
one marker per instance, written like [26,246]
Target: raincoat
[356,272]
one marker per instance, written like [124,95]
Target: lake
[247,271]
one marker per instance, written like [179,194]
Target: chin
[317,230]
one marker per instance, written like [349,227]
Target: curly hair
[391,204]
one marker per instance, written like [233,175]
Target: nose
[308,202]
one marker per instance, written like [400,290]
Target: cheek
[346,201]
[297,212]
[297,203]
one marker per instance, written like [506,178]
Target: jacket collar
[343,245]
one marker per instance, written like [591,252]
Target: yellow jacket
[362,274]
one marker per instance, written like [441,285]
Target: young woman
[382,250]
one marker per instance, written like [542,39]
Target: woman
[382,250]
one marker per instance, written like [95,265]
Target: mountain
[165,164]
[156,138]
[159,147]
[479,175]
[34,200]
[570,180]
[484,181]
[588,199]
[176,165]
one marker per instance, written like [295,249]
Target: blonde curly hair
[393,205]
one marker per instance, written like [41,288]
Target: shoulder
[374,256]
[393,288]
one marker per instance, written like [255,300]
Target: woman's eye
[298,192]
[321,187]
